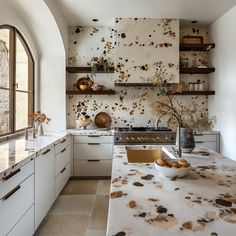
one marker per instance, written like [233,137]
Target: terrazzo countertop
[143,202]
[16,152]
[91,132]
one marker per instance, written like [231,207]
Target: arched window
[16,81]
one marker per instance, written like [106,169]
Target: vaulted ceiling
[81,12]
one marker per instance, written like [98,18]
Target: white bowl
[172,172]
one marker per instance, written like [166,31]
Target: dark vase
[187,143]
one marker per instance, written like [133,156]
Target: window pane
[22,67]
[4,112]
[23,110]
[4,57]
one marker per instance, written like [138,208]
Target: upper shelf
[196,70]
[196,47]
[86,69]
[134,85]
[91,92]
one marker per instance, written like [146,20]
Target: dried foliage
[168,108]
[40,117]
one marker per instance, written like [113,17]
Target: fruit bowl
[172,168]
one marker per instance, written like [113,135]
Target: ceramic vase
[185,138]
[40,129]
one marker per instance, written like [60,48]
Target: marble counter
[17,152]
[143,202]
[91,132]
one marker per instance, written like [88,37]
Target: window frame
[13,34]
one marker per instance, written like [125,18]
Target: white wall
[223,81]
[51,62]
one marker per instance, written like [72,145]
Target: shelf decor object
[196,47]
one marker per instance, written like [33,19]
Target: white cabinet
[208,140]
[17,201]
[44,184]
[62,164]
[93,155]
[25,226]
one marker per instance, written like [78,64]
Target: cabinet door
[44,184]
[210,145]
[25,226]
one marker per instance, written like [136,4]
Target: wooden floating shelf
[102,92]
[196,47]
[195,93]
[135,85]
[86,69]
[196,70]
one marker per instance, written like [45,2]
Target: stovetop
[141,129]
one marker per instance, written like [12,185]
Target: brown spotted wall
[138,48]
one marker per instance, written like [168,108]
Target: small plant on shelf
[99,64]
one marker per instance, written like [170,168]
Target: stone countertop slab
[143,202]
[16,152]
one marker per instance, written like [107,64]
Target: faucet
[158,120]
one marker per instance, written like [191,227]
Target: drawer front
[62,145]
[210,145]
[92,168]
[205,137]
[93,151]
[15,177]
[25,226]
[62,159]
[93,139]
[15,204]
[62,179]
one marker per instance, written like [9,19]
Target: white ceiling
[81,12]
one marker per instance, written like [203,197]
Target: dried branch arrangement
[169,109]
[40,117]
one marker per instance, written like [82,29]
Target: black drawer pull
[93,160]
[11,174]
[63,170]
[93,136]
[199,142]
[93,143]
[46,151]
[11,193]
[62,141]
[63,150]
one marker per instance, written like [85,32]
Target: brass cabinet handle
[63,150]
[93,136]
[93,160]
[46,151]
[11,174]
[9,194]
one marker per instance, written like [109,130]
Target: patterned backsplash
[139,49]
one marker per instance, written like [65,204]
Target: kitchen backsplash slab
[129,106]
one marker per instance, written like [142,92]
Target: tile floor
[80,210]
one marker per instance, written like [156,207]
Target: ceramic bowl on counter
[172,168]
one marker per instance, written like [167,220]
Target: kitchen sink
[142,155]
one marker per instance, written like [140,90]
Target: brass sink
[139,155]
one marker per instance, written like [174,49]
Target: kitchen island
[143,202]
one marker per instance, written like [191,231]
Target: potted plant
[181,117]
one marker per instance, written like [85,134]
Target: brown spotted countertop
[143,202]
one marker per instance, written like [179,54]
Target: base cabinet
[210,141]
[15,203]
[44,184]
[93,156]
[25,226]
